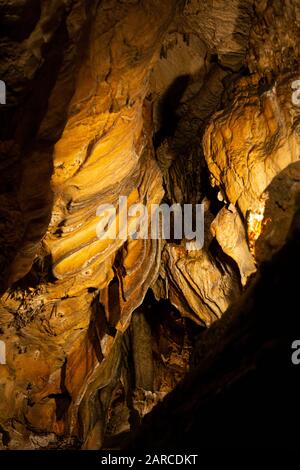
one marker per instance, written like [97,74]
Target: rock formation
[176,102]
[243,388]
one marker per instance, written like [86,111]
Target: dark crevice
[63,401]
[167,109]
[5,436]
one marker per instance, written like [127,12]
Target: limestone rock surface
[175,101]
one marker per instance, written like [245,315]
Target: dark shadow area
[97,327]
[167,109]
[279,210]
[113,302]
[244,391]
[27,14]
[26,152]
[22,121]
[5,436]
[163,315]
[63,401]
[40,273]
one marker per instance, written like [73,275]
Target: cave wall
[242,391]
[175,101]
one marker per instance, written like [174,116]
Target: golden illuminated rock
[158,101]
[251,142]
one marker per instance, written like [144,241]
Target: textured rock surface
[251,141]
[243,381]
[174,101]
[88,143]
